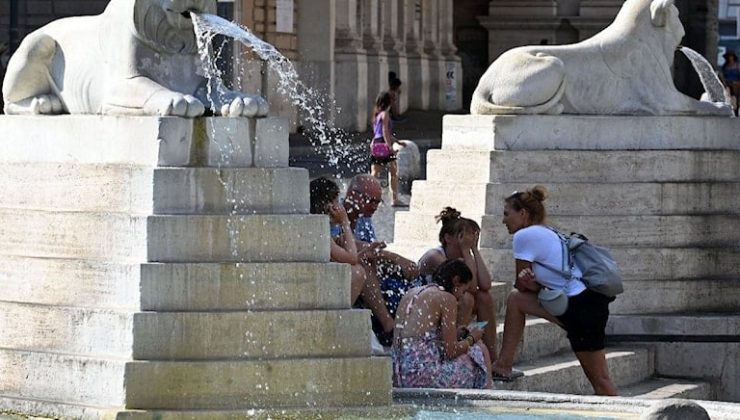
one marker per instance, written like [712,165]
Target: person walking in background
[731,71]
[381,147]
[536,247]
[427,352]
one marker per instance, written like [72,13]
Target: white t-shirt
[538,244]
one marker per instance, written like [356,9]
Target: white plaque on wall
[284,16]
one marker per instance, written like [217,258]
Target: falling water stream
[314,104]
[707,76]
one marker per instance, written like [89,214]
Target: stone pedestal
[660,192]
[164,266]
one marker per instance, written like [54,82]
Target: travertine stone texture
[170,263]
[659,192]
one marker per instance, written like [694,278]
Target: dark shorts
[384,160]
[585,320]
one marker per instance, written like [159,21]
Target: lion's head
[166,26]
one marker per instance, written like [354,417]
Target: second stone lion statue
[623,70]
[139,57]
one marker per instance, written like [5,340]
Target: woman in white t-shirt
[585,318]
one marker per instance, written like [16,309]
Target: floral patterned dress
[420,362]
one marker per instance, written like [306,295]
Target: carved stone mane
[152,27]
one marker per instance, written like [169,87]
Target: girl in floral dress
[426,350]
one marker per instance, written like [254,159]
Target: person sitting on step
[535,247]
[427,352]
[459,238]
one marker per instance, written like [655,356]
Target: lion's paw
[174,104]
[245,106]
[37,105]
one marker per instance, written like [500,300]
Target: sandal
[503,378]
[399,204]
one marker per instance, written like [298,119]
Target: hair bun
[539,193]
[447,214]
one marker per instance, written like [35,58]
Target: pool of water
[509,414]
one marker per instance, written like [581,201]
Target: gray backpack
[600,271]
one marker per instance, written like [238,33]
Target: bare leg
[373,298]
[465,310]
[393,174]
[487,359]
[375,170]
[518,305]
[358,282]
[486,311]
[597,371]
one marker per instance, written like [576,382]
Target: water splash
[314,104]
[709,80]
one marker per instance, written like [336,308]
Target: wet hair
[444,274]
[453,224]
[382,103]
[530,200]
[322,191]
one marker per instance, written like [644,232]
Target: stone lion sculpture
[139,57]
[623,70]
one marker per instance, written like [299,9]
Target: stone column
[451,95]
[418,83]
[513,23]
[595,15]
[316,34]
[394,36]
[377,57]
[350,68]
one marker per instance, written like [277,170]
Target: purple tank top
[378,126]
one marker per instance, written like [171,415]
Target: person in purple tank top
[381,147]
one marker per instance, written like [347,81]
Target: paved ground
[350,153]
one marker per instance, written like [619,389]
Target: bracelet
[471,340]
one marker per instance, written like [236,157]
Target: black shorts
[585,320]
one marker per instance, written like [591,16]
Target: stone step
[574,166]
[201,385]
[657,388]
[185,335]
[541,339]
[245,286]
[54,410]
[251,335]
[584,199]
[588,132]
[258,238]
[70,282]
[61,377]
[702,346]
[75,186]
[170,238]
[148,141]
[643,264]
[665,296]
[142,190]
[102,333]
[690,288]
[562,374]
[254,384]
[175,287]
[610,231]
[231,191]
